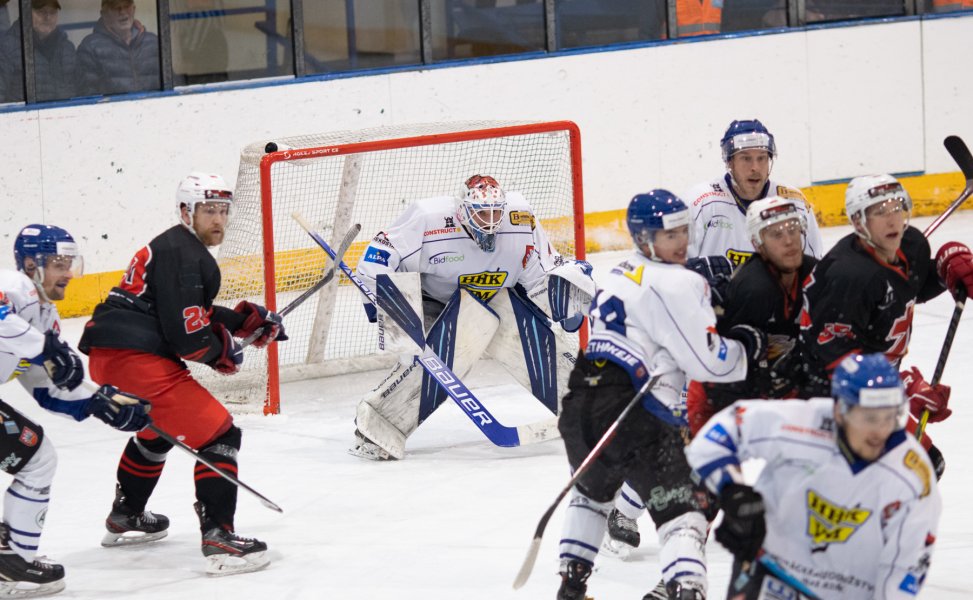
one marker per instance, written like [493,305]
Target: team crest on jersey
[899,334]
[832,331]
[483,285]
[831,523]
[28,437]
[738,257]
[912,462]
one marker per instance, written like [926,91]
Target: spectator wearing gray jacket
[119,56]
[55,63]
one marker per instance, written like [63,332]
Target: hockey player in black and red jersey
[860,297]
[162,314]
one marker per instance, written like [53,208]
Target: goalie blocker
[512,330]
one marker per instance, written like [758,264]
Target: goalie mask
[203,189]
[481,210]
[50,257]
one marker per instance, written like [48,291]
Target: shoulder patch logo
[789,193]
[521,217]
[28,437]
[635,275]
[914,463]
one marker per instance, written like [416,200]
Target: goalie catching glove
[122,411]
[569,292]
[258,319]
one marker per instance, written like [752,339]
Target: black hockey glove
[122,411]
[786,369]
[231,357]
[267,325]
[754,343]
[717,270]
[743,528]
[62,363]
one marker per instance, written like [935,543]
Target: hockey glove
[258,319]
[923,396]
[122,411]
[743,528]
[569,292]
[231,357]
[954,264]
[717,270]
[62,363]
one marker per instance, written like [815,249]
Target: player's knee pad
[537,357]
[584,527]
[682,550]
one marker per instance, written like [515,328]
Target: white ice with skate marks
[453,520]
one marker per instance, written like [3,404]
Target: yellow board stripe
[605,230]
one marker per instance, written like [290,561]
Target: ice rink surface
[453,520]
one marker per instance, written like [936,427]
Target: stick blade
[525,569]
[961,154]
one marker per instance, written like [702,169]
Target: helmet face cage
[869,190]
[42,248]
[747,135]
[768,212]
[482,210]
[658,210]
[205,189]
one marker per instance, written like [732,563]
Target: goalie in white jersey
[847,502]
[650,317]
[50,371]
[719,207]
[467,253]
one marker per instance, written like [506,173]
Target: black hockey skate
[623,535]
[658,592]
[228,553]
[22,579]
[680,591]
[128,527]
[574,581]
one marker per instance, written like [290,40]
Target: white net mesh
[329,333]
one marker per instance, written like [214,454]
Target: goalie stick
[961,154]
[328,276]
[93,387]
[394,304]
[606,438]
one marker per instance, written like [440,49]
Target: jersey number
[611,312]
[195,318]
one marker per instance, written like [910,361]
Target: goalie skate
[365,448]
[229,554]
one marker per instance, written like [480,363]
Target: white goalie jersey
[847,530]
[719,221]
[428,239]
[655,318]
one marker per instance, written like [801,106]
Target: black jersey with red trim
[164,302]
[755,296]
[856,302]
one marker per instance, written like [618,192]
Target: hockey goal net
[369,177]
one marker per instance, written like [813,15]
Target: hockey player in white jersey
[847,502]
[468,253]
[51,371]
[650,316]
[719,207]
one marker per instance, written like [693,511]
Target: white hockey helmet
[770,211]
[481,209]
[199,188]
[869,190]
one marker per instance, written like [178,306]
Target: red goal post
[367,177]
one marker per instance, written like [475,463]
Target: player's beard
[213,237]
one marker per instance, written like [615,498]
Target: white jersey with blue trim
[428,239]
[718,219]
[847,529]
[26,319]
[654,318]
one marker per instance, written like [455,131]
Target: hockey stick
[328,276]
[394,304]
[961,154]
[606,438]
[773,567]
[93,387]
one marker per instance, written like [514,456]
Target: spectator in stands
[55,61]
[698,17]
[119,55]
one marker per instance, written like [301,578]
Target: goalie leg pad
[527,347]
[682,553]
[390,412]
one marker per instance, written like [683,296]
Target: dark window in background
[822,11]
[344,35]
[11,54]
[582,23]
[746,15]
[230,40]
[471,28]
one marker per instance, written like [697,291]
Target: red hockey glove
[230,359]
[267,324]
[923,396]
[954,263]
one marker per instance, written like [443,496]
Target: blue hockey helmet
[38,247]
[746,135]
[658,210]
[869,381]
